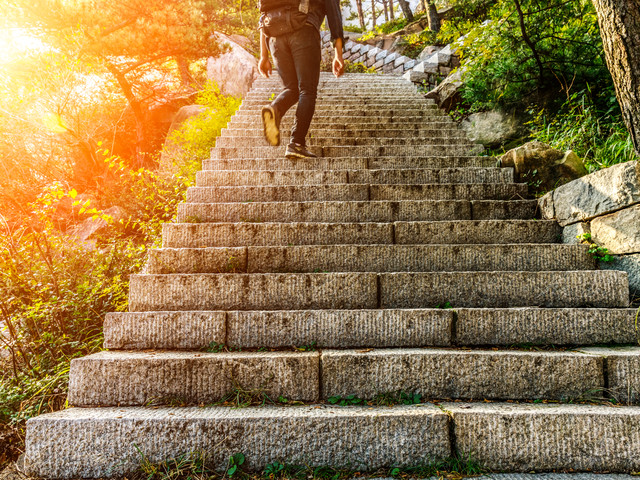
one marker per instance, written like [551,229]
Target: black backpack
[282,16]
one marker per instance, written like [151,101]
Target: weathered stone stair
[354,256]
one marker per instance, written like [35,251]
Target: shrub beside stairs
[353,258]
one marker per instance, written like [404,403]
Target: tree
[363,25]
[373,14]
[619,22]
[137,42]
[433,17]
[406,9]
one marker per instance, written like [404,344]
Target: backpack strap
[304,6]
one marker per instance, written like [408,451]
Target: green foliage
[412,45]
[601,254]
[590,125]
[357,67]
[198,466]
[346,400]
[235,462]
[558,51]
[55,290]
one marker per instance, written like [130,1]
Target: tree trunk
[406,9]
[186,79]
[386,10]
[391,14]
[432,15]
[363,25]
[373,13]
[620,30]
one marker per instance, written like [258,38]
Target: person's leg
[282,55]
[307,55]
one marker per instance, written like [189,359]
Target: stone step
[357,151]
[351,121]
[407,109]
[342,131]
[352,211]
[63,444]
[357,192]
[253,291]
[323,102]
[371,258]
[298,291]
[192,378]
[214,178]
[315,141]
[505,289]
[392,328]
[130,378]
[512,437]
[353,88]
[461,374]
[199,235]
[363,112]
[359,163]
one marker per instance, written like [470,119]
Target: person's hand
[264,67]
[338,65]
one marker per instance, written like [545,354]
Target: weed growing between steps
[57,289]
[196,466]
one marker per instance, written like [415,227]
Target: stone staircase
[352,258]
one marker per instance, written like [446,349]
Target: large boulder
[600,193]
[619,231]
[542,167]
[235,71]
[88,231]
[493,129]
[447,93]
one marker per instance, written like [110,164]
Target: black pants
[297,56]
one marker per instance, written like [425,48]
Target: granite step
[388,328]
[371,258]
[357,192]
[324,110]
[298,291]
[314,141]
[465,232]
[357,151]
[350,163]
[395,122]
[363,112]
[323,102]
[467,175]
[342,131]
[63,444]
[131,378]
[353,211]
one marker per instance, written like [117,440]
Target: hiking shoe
[295,150]
[271,124]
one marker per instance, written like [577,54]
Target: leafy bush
[596,134]
[558,51]
[55,291]
[357,67]
[412,45]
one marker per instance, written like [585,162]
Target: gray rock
[426,67]
[428,52]
[415,76]
[570,233]
[599,193]
[447,94]
[493,128]
[543,167]
[88,230]
[629,264]
[235,71]
[618,231]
